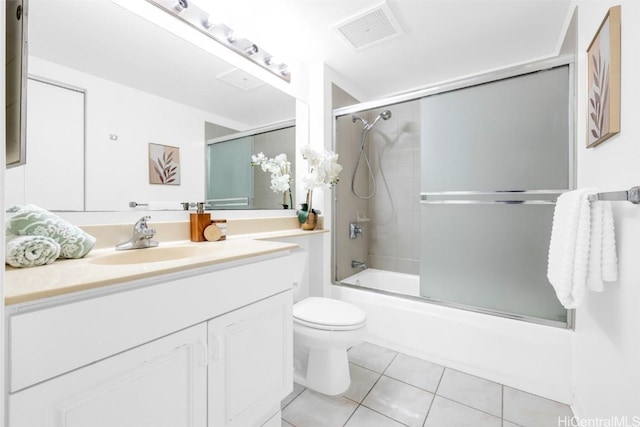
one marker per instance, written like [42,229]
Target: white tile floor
[390,389]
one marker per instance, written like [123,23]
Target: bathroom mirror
[128,84]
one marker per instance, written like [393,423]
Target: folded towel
[569,247]
[30,220]
[30,251]
[603,260]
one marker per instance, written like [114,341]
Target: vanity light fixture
[231,37]
[209,23]
[181,5]
[252,50]
[199,19]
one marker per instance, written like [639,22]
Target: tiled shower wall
[394,149]
[392,234]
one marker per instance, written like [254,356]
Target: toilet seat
[328,314]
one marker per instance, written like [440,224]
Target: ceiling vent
[371,27]
[240,79]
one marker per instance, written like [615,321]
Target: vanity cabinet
[208,347]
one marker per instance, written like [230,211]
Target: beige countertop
[67,276]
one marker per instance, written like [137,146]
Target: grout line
[390,362]
[350,416]
[409,384]
[297,395]
[434,397]
[371,389]
[440,380]
[471,407]
[502,402]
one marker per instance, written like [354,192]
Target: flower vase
[307,217]
[311,223]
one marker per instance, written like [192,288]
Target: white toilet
[323,330]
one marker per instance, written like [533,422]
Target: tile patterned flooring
[391,389]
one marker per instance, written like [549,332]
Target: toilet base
[327,371]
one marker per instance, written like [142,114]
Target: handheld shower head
[384,115]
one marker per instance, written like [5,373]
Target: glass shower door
[495,157]
[230,174]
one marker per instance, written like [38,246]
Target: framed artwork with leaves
[164,164]
[603,80]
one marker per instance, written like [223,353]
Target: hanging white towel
[603,259]
[569,247]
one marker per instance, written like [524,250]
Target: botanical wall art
[164,164]
[603,80]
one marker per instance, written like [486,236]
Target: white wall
[2,237]
[607,356]
[117,171]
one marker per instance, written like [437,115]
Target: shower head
[384,115]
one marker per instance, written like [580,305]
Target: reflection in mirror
[142,85]
[15,81]
[232,181]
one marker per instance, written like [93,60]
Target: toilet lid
[326,313]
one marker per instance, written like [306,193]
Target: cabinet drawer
[55,340]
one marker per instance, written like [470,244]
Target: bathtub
[527,356]
[406,284]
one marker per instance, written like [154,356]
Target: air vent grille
[240,79]
[371,27]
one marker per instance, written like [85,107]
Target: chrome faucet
[141,238]
[358,264]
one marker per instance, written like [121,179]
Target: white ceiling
[443,40]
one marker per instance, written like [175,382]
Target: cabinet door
[251,364]
[159,384]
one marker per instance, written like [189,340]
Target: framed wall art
[603,80]
[164,164]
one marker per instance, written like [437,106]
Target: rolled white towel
[30,251]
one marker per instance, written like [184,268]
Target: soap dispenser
[198,222]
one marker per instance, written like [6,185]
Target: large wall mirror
[106,88]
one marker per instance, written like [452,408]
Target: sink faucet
[141,237]
[358,264]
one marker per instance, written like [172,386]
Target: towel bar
[134,204]
[632,195]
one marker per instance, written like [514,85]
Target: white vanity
[198,343]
